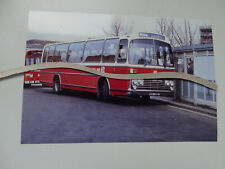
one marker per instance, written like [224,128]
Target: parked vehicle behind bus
[32,77]
[143,53]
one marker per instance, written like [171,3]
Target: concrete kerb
[208,111]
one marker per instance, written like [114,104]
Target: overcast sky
[66,26]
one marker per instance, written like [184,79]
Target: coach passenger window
[27,61]
[45,54]
[29,53]
[93,51]
[109,51]
[38,60]
[122,56]
[60,53]
[51,53]
[76,52]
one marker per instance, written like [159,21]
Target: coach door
[120,68]
[121,57]
[122,53]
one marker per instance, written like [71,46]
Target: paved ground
[179,103]
[79,117]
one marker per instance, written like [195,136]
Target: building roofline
[197,47]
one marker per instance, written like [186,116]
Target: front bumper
[151,87]
[32,82]
[168,93]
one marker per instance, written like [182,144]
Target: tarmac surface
[74,117]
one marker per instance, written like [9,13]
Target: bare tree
[178,34]
[167,28]
[118,27]
[163,26]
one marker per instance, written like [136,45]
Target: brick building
[206,34]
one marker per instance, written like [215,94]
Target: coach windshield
[164,54]
[149,52]
[142,52]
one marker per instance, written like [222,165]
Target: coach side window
[37,60]
[122,56]
[45,54]
[110,49]
[93,51]
[60,53]
[51,53]
[75,52]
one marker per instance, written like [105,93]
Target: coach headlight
[29,75]
[141,82]
[169,83]
[136,83]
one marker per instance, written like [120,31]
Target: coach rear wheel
[56,85]
[27,85]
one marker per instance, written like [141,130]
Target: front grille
[154,85]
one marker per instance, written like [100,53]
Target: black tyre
[56,86]
[27,85]
[103,91]
[145,99]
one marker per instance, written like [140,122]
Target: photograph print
[64,105]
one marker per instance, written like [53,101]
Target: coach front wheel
[145,99]
[105,91]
